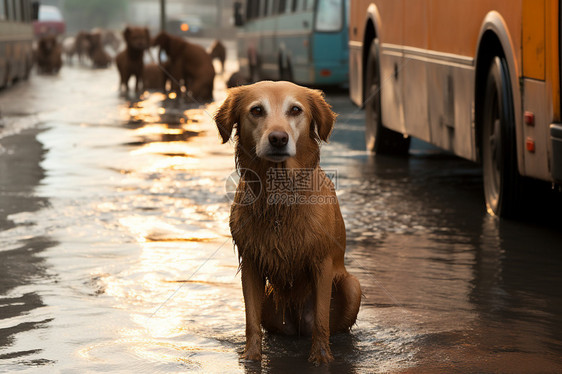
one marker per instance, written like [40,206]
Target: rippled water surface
[115,253]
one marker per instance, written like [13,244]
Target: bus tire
[378,138]
[501,179]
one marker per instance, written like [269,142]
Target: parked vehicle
[49,22]
[478,78]
[16,38]
[295,40]
[185,26]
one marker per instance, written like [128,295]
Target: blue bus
[304,41]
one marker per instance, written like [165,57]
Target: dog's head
[171,44]
[47,43]
[95,40]
[137,37]
[275,121]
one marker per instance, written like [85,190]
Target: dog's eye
[295,111]
[257,111]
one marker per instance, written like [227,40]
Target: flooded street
[116,256]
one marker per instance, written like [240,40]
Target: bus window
[17,7]
[294,5]
[308,4]
[2,11]
[252,9]
[329,15]
[284,6]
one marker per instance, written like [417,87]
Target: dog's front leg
[253,287]
[320,352]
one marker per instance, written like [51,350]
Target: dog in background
[82,45]
[218,51]
[100,58]
[237,79]
[291,252]
[188,62]
[130,61]
[49,55]
[153,78]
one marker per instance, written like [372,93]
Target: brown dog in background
[188,62]
[130,61]
[218,51]
[153,78]
[100,58]
[49,55]
[290,239]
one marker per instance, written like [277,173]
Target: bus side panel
[331,57]
[268,48]
[415,80]
[358,22]
[294,41]
[392,62]
[537,102]
[450,107]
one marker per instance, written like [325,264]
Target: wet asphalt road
[115,254]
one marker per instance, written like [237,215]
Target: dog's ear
[322,114]
[228,115]
[127,33]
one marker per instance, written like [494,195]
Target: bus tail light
[325,72]
[530,144]
[529,118]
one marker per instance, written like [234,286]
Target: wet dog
[100,58]
[130,61]
[188,62]
[236,79]
[49,55]
[285,219]
[153,78]
[82,45]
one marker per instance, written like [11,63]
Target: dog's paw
[251,354]
[320,354]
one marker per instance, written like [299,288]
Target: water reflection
[22,261]
[463,290]
[129,265]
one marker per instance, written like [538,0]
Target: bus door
[329,50]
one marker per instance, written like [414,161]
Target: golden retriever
[285,219]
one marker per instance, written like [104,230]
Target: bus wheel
[379,139]
[502,182]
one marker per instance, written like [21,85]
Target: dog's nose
[278,139]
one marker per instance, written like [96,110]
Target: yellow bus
[479,78]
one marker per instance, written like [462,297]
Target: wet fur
[291,256]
